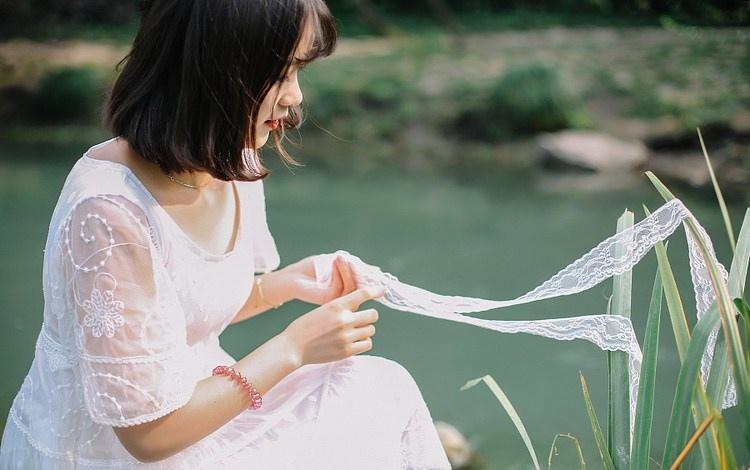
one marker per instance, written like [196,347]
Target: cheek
[267,104]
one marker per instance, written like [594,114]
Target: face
[284,94]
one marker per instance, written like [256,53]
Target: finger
[348,277]
[365,317]
[361,346]
[358,334]
[338,278]
[354,299]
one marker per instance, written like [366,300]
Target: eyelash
[286,77]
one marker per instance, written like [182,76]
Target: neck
[201,179]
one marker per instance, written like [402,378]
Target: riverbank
[428,101]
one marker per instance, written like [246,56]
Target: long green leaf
[716,388]
[663,190]
[619,378]
[744,310]
[738,270]
[717,382]
[677,430]
[673,300]
[718,378]
[681,332]
[686,451]
[601,443]
[727,457]
[505,402]
[719,196]
[738,362]
[645,406]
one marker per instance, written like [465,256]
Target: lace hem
[179,402]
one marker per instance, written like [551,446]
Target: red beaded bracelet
[240,379]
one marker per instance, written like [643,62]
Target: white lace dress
[132,313]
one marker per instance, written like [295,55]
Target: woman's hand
[335,330]
[306,289]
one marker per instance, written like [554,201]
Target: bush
[68,95]
[383,93]
[527,99]
[327,102]
[531,99]
[374,106]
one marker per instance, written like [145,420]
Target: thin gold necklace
[187,185]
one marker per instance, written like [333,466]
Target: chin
[260,141]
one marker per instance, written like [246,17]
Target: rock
[686,168]
[740,122]
[645,130]
[593,151]
[456,446]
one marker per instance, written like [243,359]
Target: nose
[291,94]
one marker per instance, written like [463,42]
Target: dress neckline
[199,250]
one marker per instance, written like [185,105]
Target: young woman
[152,252]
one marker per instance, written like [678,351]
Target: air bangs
[324,32]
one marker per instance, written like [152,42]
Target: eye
[288,76]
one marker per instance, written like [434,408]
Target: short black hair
[191,87]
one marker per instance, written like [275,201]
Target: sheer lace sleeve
[421,448]
[266,255]
[130,331]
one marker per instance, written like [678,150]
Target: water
[493,235]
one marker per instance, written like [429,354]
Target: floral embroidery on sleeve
[103,313]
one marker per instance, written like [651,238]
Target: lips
[273,124]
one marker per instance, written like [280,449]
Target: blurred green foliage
[71,95]
[647,103]
[355,105]
[68,95]
[527,99]
[425,99]
[530,98]
[36,17]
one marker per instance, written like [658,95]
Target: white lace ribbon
[615,255]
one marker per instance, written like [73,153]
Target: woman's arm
[215,401]
[278,288]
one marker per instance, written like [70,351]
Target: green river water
[490,234]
